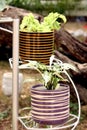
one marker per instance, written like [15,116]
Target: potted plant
[50,99]
[37,38]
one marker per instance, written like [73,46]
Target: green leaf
[2,5]
[50,23]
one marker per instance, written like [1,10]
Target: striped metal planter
[36,46]
[50,107]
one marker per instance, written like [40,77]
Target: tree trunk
[70,50]
[70,46]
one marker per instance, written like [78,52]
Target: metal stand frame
[15,72]
[71,123]
[27,120]
[15,33]
[15,68]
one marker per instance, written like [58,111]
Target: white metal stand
[15,33]
[30,124]
[72,122]
[15,72]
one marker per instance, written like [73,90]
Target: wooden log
[79,77]
[71,50]
[81,67]
[82,93]
[70,46]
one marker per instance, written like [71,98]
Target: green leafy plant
[49,23]
[2,4]
[52,75]
[4,114]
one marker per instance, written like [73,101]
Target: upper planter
[36,46]
[37,37]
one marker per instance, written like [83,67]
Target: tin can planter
[36,46]
[50,107]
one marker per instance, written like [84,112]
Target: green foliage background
[44,6]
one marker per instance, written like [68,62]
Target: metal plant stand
[14,62]
[72,122]
[15,33]
[30,124]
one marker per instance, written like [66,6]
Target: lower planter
[50,107]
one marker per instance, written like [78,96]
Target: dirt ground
[24,101]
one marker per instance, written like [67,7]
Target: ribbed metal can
[36,46]
[50,107]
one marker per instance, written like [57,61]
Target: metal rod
[15,74]
[5,19]
[6,30]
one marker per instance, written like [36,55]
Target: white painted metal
[5,19]
[15,67]
[74,120]
[7,30]
[15,73]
